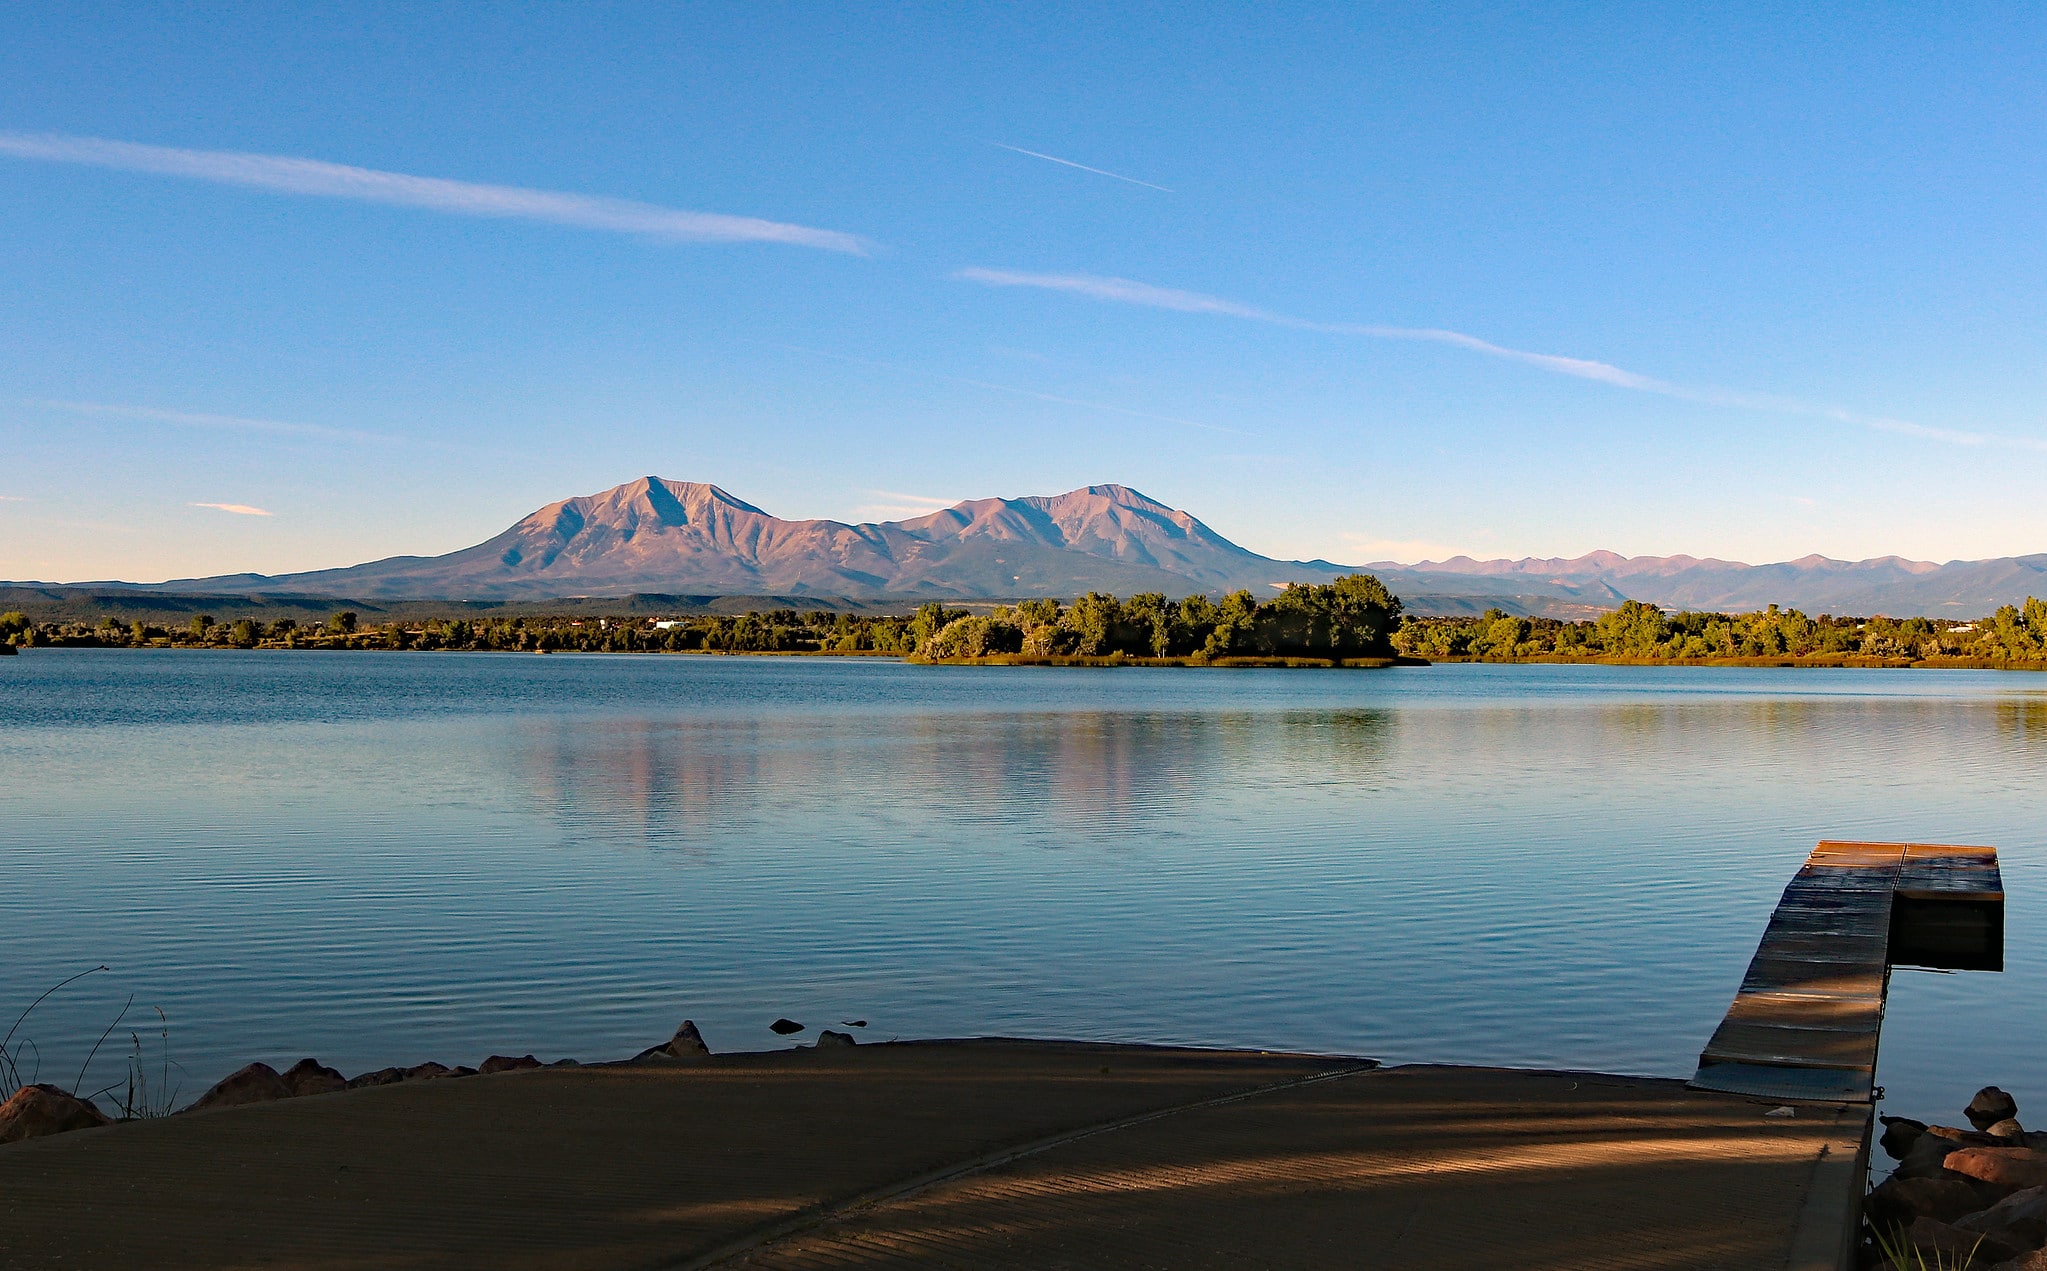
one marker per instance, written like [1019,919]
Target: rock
[2020,1219]
[1926,1158]
[2034,1261]
[1896,1202]
[1964,1138]
[1900,1133]
[1782,1112]
[462,1070]
[687,1043]
[1990,1106]
[2005,1166]
[786,1026]
[829,1040]
[2010,1131]
[854,1023]
[565,1063]
[506,1063]
[310,1076]
[381,1077]
[256,1083]
[1958,1248]
[428,1071]
[37,1110]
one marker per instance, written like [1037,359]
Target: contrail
[1100,172]
[460,198]
[1128,291]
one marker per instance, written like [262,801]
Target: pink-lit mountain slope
[654,535]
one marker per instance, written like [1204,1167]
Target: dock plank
[1806,1021]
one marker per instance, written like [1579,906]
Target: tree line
[775,631]
[2014,635]
[1353,617]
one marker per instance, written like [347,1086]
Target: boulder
[829,1040]
[1926,1157]
[1933,1238]
[34,1111]
[687,1043]
[1900,1133]
[1965,1138]
[1990,1106]
[2005,1166]
[506,1063]
[1896,1202]
[428,1071]
[256,1083]
[310,1076]
[2034,1261]
[2010,1131]
[2019,1219]
[381,1077]
[785,1026]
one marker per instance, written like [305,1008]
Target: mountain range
[681,538]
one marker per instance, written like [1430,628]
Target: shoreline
[1817,662]
[999,1153]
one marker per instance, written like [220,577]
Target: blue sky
[1358,282]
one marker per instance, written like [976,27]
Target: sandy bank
[1021,1154]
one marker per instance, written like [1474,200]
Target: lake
[383,858]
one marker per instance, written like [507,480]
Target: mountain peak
[656,535]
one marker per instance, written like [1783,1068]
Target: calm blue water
[386,858]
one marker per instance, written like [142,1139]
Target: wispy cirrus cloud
[238,509]
[200,419]
[321,179]
[1100,172]
[1128,291]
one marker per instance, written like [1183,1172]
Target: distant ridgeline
[1350,619]
[2013,636]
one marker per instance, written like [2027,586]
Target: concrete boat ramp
[989,1153]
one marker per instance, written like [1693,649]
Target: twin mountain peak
[662,536]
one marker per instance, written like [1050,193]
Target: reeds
[133,1096]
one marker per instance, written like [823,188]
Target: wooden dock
[1805,1022]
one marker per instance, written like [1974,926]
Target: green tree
[343,622]
[244,634]
[1093,619]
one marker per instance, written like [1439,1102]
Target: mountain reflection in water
[1049,779]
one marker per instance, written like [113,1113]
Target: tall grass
[1909,1258]
[134,1095]
[12,1053]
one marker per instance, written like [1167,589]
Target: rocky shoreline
[1973,1197]
[38,1110]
